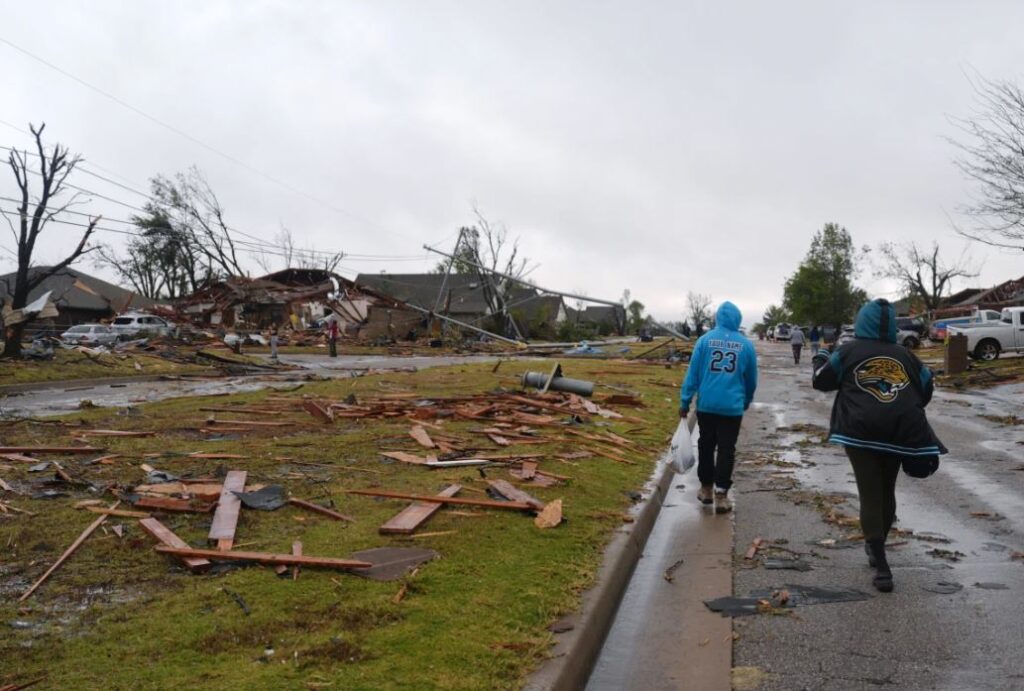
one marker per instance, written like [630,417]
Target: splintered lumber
[216,456]
[551,516]
[421,437]
[4,486]
[225,518]
[18,458]
[165,536]
[409,519]
[317,411]
[402,456]
[517,505]
[507,489]
[264,558]
[112,433]
[121,513]
[528,470]
[208,491]
[323,510]
[297,551]
[250,411]
[754,546]
[49,449]
[172,504]
[247,423]
[67,553]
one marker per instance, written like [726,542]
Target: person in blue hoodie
[723,376]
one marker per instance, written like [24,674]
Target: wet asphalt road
[65,397]
[910,639]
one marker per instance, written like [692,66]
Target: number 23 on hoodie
[723,368]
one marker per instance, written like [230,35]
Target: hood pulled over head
[876,320]
[729,317]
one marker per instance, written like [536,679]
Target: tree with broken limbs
[37,206]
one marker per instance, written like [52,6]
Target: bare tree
[922,272]
[35,211]
[992,155]
[697,312]
[285,252]
[191,205]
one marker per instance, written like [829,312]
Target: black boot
[871,557]
[883,575]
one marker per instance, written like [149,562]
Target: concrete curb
[576,651]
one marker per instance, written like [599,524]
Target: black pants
[797,347]
[717,432]
[876,475]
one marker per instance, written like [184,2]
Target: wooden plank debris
[172,504]
[18,458]
[121,513]
[297,551]
[322,510]
[516,505]
[528,470]
[550,516]
[245,423]
[404,457]
[225,518]
[754,546]
[4,486]
[507,489]
[264,558]
[409,519]
[318,411]
[167,537]
[422,438]
[67,553]
[216,456]
[112,433]
[59,450]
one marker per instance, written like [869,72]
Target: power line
[194,140]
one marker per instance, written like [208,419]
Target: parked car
[782,332]
[905,337]
[987,340]
[937,332]
[915,324]
[89,335]
[136,324]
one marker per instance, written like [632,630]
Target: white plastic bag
[680,453]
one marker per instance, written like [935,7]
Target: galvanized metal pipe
[539,380]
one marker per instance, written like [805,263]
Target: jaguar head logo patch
[882,377]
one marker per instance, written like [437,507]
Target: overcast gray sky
[656,146]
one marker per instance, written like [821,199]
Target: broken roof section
[299,297]
[463,294]
[80,297]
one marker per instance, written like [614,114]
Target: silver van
[140,324]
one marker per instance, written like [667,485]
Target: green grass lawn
[70,365]
[121,616]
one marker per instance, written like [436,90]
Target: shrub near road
[120,615]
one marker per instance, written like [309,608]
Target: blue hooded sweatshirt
[723,367]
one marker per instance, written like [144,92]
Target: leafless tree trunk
[922,272]
[33,217]
[697,305]
[992,155]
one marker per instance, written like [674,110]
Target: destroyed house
[299,298]
[1006,294]
[462,297]
[79,297]
[537,315]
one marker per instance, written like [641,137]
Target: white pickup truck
[987,341]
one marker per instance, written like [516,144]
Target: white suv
[136,324]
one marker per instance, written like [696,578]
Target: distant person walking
[796,339]
[273,342]
[723,377]
[332,335]
[878,415]
[815,338]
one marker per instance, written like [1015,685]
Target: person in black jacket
[878,416]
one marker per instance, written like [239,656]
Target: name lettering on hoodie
[728,345]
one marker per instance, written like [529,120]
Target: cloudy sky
[661,147]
